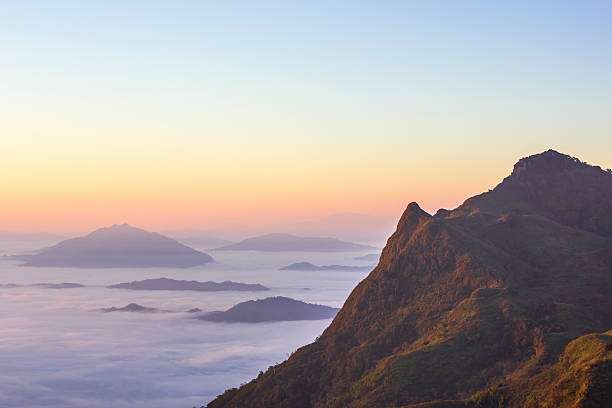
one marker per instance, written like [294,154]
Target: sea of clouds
[58,350]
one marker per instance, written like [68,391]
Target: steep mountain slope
[470,307]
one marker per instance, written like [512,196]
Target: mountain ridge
[279,242]
[271,309]
[307,266]
[184,285]
[484,297]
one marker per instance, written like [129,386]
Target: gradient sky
[195,114]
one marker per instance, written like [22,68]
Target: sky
[200,114]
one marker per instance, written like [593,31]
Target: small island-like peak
[118,246]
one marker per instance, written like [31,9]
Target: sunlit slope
[470,306]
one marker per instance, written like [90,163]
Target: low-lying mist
[58,350]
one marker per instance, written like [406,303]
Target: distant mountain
[118,246]
[352,227]
[346,226]
[503,302]
[64,285]
[133,307]
[272,309]
[287,242]
[306,266]
[197,238]
[368,257]
[172,284]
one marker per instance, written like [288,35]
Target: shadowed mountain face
[173,284]
[271,309]
[119,246]
[488,305]
[287,242]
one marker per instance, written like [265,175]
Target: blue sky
[399,87]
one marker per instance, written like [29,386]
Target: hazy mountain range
[118,240]
[307,266]
[288,242]
[505,301]
[361,228]
[173,284]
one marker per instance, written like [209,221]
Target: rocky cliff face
[470,307]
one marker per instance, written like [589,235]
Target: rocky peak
[547,163]
[413,215]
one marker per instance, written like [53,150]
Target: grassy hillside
[480,306]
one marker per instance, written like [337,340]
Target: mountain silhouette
[174,284]
[345,226]
[118,246]
[132,307]
[271,309]
[505,301]
[286,242]
[307,266]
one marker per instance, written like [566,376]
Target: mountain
[287,242]
[352,227]
[118,246]
[307,266]
[173,284]
[505,301]
[271,309]
[346,226]
[132,307]
[63,285]
[135,307]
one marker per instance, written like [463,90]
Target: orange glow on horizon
[73,185]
